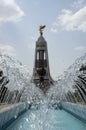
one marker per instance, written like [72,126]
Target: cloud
[6,49]
[71,21]
[78,3]
[80,48]
[10,11]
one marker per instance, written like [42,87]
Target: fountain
[42,111]
[27,107]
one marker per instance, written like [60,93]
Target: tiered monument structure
[41,71]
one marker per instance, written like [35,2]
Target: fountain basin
[79,111]
[9,113]
[47,119]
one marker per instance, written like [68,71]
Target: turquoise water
[47,119]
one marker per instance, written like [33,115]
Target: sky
[65,31]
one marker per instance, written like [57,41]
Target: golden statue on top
[41,28]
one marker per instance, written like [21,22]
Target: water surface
[47,119]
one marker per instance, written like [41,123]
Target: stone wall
[10,113]
[77,110]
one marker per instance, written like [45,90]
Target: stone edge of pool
[77,110]
[11,113]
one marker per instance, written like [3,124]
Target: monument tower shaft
[41,71]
